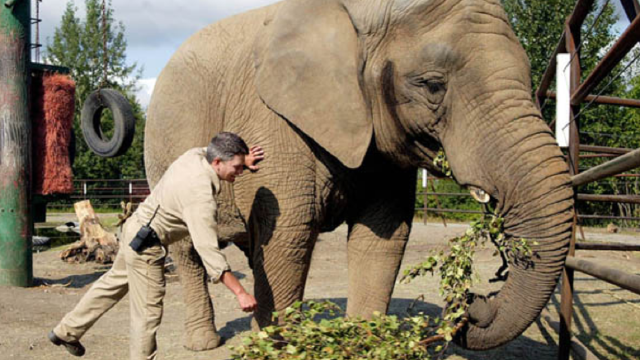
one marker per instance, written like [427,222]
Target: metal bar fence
[105,194]
[426,195]
[625,160]
[630,159]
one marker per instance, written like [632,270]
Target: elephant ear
[307,70]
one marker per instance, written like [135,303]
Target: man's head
[226,153]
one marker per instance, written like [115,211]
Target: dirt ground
[607,318]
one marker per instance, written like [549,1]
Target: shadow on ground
[586,328]
[73,281]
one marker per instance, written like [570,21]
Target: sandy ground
[608,318]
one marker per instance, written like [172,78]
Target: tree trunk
[95,244]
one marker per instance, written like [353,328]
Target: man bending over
[182,203]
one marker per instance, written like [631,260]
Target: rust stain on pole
[15,146]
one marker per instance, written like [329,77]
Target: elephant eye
[436,86]
[434,90]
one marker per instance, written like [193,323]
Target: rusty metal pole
[566,302]
[613,57]
[622,279]
[612,167]
[15,145]
[631,8]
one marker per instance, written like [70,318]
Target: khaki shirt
[185,194]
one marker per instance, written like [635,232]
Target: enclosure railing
[108,193]
[438,196]
[580,92]
[104,193]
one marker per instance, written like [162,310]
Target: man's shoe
[74,347]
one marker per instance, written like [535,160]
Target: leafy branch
[442,163]
[311,330]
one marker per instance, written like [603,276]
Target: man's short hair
[225,146]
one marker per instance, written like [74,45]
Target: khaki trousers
[142,275]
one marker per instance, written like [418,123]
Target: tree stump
[95,244]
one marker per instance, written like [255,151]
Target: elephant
[349,98]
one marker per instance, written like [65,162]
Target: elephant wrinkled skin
[348,98]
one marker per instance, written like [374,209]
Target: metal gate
[624,160]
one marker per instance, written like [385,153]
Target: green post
[15,144]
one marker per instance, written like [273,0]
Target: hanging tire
[123,119]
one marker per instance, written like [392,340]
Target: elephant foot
[202,340]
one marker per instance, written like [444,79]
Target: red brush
[53,104]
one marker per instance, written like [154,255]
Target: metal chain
[104,46]
[37,20]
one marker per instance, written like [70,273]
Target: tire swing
[124,123]
[94,105]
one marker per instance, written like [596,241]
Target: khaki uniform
[185,195]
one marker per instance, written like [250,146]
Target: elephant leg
[377,239]
[200,329]
[374,263]
[280,268]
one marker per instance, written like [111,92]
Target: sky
[155,28]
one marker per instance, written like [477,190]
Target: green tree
[539,25]
[78,45]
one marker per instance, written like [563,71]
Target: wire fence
[442,197]
[106,195]
[445,199]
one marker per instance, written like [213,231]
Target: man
[181,204]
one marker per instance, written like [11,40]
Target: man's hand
[256,154]
[247,302]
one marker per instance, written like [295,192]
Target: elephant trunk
[536,206]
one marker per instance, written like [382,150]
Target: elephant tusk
[480,195]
